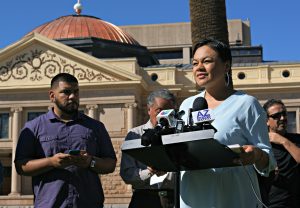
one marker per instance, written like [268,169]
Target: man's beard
[281,127]
[68,108]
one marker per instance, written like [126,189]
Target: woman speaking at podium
[239,119]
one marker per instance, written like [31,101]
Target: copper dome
[83,26]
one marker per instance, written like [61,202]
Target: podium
[183,151]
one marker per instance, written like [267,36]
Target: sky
[274,24]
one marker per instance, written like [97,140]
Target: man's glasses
[277,116]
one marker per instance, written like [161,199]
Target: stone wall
[115,190]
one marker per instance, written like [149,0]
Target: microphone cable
[252,186]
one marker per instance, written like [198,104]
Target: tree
[208,19]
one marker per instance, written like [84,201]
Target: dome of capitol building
[96,37]
[83,26]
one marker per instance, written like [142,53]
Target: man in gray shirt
[136,173]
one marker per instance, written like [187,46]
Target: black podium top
[182,151]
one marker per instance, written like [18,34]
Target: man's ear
[148,110]
[51,95]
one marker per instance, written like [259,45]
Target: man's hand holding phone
[74,152]
[80,158]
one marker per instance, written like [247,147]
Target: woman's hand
[248,156]
[253,155]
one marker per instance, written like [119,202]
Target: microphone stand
[177,189]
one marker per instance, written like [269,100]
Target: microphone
[170,119]
[201,115]
[153,136]
[167,118]
[168,122]
[199,104]
[179,122]
[179,114]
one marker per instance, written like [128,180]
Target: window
[241,75]
[291,127]
[32,115]
[168,54]
[286,73]
[5,187]
[4,119]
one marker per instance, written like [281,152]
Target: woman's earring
[227,79]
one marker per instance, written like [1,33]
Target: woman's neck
[215,97]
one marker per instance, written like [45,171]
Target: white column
[16,126]
[186,55]
[130,114]
[92,109]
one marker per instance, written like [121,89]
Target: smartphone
[74,152]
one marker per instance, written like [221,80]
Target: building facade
[114,89]
[172,44]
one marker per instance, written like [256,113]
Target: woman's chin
[201,83]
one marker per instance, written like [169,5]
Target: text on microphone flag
[202,116]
